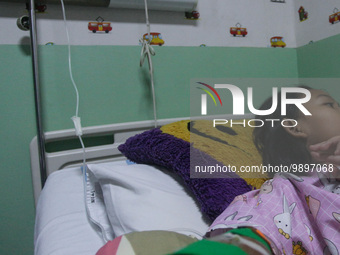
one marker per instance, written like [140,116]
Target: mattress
[62,226]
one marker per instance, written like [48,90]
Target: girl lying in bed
[290,214]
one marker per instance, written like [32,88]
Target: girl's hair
[275,144]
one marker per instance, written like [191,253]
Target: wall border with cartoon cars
[276,41]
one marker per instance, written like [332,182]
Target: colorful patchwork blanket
[297,215]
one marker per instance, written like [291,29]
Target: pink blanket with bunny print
[299,215]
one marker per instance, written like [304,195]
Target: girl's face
[324,123]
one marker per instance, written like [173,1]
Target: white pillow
[142,197]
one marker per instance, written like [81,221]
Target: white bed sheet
[62,227]
[143,196]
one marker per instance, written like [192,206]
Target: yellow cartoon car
[277,41]
[156,39]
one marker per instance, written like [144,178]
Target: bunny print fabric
[299,215]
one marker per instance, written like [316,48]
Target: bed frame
[120,132]
[102,153]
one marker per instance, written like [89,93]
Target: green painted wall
[17,129]
[320,59]
[113,88]
[318,65]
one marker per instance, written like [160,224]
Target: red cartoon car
[335,17]
[238,30]
[100,26]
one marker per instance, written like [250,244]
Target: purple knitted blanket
[158,148]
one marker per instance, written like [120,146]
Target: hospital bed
[121,195]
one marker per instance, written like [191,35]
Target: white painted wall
[262,18]
[317,26]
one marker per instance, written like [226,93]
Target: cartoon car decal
[238,30]
[99,26]
[156,38]
[277,41]
[335,17]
